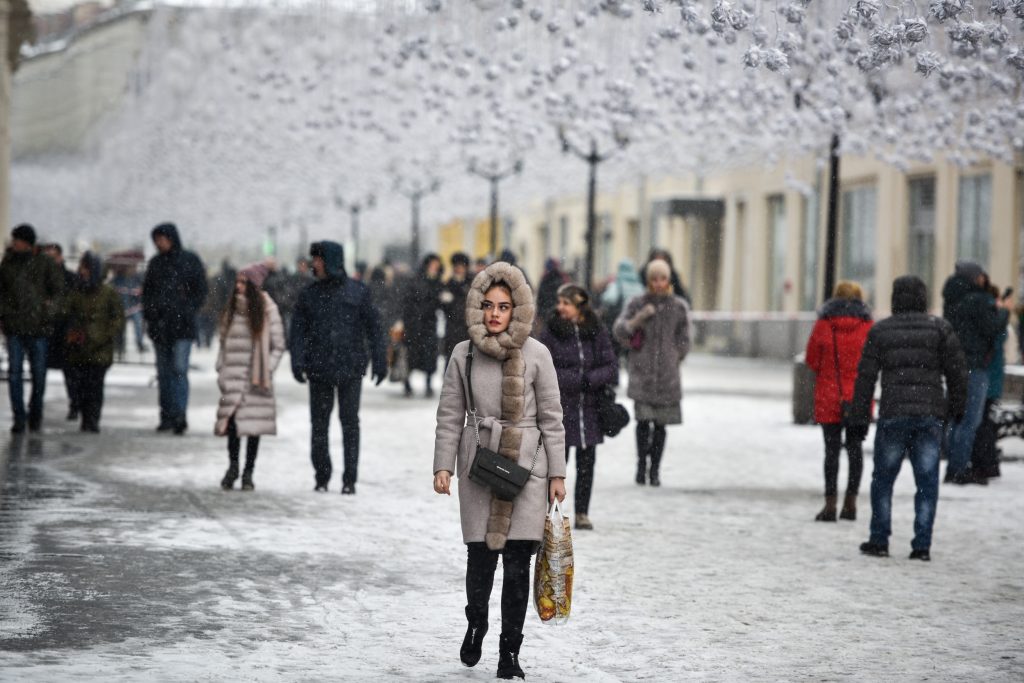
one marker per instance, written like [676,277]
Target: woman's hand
[443,482]
[556,489]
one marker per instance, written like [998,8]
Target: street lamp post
[594,158]
[416,193]
[355,208]
[495,176]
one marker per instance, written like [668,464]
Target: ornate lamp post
[354,208]
[494,175]
[415,192]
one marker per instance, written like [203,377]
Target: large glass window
[605,237]
[563,238]
[974,218]
[921,256]
[809,276]
[776,250]
[857,240]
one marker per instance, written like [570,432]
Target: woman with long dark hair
[251,346]
[501,385]
[586,364]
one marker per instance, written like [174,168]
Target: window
[857,241]
[604,246]
[809,283]
[545,239]
[921,257]
[776,251]
[974,218]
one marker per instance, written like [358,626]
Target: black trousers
[585,459]
[985,457]
[87,384]
[650,441]
[854,450]
[321,404]
[481,562]
[252,447]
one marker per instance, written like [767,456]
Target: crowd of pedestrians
[528,376]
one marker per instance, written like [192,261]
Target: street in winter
[123,559]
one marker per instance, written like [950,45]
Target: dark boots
[228,482]
[473,642]
[643,449]
[849,510]
[828,513]
[657,448]
[508,656]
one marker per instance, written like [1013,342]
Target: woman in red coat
[833,352]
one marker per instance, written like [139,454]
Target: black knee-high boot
[657,448]
[643,448]
[480,565]
[515,598]
[252,447]
[234,445]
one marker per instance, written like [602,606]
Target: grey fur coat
[654,368]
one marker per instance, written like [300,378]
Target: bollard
[803,392]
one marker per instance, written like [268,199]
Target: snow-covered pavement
[122,560]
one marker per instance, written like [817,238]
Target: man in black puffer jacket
[334,326]
[978,320]
[172,294]
[914,352]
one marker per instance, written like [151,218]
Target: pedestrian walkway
[123,560]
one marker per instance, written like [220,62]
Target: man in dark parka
[172,293]
[335,332]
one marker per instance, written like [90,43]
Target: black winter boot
[508,656]
[657,448]
[473,642]
[228,482]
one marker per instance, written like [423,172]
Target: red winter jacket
[850,321]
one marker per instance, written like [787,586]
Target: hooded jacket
[173,290]
[838,335]
[914,352]
[421,301]
[654,367]
[585,363]
[95,318]
[336,329]
[515,391]
[974,316]
[31,294]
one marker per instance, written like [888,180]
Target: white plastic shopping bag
[553,573]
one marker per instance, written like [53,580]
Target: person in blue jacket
[336,331]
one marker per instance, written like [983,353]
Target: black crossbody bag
[502,476]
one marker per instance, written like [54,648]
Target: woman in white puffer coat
[251,346]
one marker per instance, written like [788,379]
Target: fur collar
[499,345]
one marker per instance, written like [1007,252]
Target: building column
[5,118]
[1005,227]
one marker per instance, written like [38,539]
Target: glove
[646,312]
[299,375]
[585,383]
[378,377]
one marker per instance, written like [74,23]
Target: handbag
[636,341]
[504,477]
[611,416]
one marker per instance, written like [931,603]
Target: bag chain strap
[472,407]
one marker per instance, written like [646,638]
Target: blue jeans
[136,322]
[960,440]
[919,438]
[18,347]
[172,376]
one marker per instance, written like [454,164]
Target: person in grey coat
[655,327]
[515,391]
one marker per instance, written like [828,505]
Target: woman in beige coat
[515,390]
[251,346]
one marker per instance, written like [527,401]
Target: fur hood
[506,347]
[499,345]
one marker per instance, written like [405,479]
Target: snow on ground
[122,558]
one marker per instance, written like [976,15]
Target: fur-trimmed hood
[499,345]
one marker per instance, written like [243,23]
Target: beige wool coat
[455,443]
[252,406]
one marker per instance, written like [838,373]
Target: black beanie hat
[25,233]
